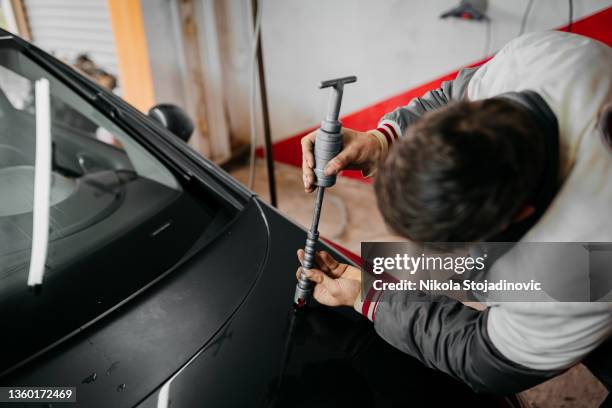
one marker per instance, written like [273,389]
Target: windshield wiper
[42,184]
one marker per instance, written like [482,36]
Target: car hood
[270,355]
[221,331]
[123,357]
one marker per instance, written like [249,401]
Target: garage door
[67,28]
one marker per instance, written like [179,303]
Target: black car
[166,283]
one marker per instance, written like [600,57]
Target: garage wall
[391,45]
[165,52]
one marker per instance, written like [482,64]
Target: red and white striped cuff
[390,130]
[367,306]
[393,127]
[386,133]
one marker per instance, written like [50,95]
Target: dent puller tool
[328,143]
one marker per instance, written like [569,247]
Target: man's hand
[361,151]
[337,284]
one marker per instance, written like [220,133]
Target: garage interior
[252,97]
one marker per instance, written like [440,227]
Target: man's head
[462,173]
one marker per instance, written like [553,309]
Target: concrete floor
[363,221]
[577,388]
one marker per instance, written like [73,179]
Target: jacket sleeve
[446,335]
[393,125]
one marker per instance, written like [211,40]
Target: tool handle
[327,146]
[328,140]
[338,81]
[335,99]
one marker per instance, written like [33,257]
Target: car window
[111,218]
[87,148]
[17,89]
[71,114]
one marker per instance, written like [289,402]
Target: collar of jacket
[549,184]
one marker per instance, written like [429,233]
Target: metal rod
[314,225]
[265,114]
[309,249]
[333,106]
[305,286]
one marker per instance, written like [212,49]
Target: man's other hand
[336,284]
[361,151]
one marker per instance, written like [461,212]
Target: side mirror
[174,119]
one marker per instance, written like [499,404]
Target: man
[517,149]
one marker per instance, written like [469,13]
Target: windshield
[87,215]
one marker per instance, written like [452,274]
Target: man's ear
[523,213]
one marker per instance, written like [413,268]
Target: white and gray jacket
[512,346]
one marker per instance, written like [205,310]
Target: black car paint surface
[218,329]
[267,355]
[240,344]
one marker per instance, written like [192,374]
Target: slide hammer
[328,143]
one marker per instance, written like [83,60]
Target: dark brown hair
[461,172]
